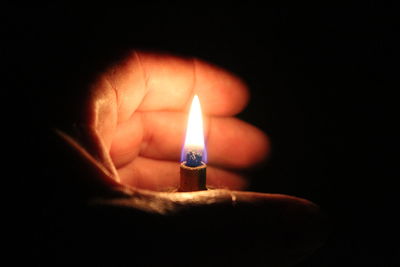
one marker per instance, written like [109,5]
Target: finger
[127,141]
[154,82]
[162,175]
[230,142]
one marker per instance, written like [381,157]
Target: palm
[142,106]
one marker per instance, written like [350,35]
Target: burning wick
[194,155]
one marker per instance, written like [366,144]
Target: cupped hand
[129,140]
[139,109]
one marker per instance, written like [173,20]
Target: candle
[194,155]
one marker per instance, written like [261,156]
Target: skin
[125,159]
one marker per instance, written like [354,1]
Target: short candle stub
[192,178]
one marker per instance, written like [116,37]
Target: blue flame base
[193,159]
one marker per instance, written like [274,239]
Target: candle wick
[193,159]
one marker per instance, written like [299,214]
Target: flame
[194,140]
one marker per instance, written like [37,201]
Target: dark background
[322,84]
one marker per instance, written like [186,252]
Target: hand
[130,137]
[139,110]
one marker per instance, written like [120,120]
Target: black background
[322,84]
